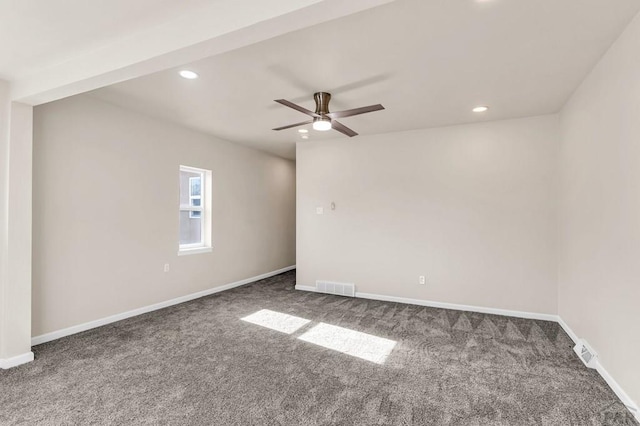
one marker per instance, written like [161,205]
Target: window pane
[194,184]
[185,186]
[190,228]
[195,202]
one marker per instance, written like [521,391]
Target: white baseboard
[456,307]
[615,387]
[306,288]
[443,305]
[16,360]
[568,330]
[54,335]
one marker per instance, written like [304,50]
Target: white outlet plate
[166,267]
[319,210]
[422,280]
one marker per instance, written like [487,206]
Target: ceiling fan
[323,119]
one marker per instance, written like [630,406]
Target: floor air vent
[586,354]
[339,289]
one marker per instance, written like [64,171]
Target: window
[195,210]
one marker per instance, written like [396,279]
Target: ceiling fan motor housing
[322,102]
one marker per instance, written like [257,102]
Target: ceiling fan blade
[335,125]
[355,111]
[297,107]
[294,125]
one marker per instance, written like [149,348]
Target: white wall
[106,212]
[5,117]
[17,292]
[15,230]
[472,207]
[599,274]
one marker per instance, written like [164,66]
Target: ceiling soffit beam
[224,26]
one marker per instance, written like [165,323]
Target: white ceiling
[54,49]
[37,34]
[427,62]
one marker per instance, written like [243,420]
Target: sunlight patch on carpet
[276,321]
[350,342]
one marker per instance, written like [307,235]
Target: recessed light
[305,136]
[303,131]
[482,108]
[190,75]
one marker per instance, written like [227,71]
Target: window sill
[197,250]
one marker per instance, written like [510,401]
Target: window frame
[204,245]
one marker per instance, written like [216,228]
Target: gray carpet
[198,363]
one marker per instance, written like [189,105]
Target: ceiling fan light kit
[324,120]
[321,124]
